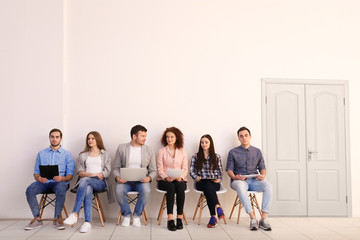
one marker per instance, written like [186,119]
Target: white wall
[31,73]
[196,65]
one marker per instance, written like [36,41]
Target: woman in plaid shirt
[206,170]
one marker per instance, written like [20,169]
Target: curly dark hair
[178,134]
[200,158]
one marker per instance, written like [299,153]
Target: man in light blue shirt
[53,155]
[243,165]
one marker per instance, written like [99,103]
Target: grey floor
[283,228]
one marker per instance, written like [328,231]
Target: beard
[54,145]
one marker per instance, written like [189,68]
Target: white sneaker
[136,222]
[125,222]
[85,227]
[72,219]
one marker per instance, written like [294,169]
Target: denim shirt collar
[59,150]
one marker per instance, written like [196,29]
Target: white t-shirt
[93,164]
[135,157]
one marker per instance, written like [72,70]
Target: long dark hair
[201,158]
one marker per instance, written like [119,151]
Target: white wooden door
[305,136]
[286,150]
[326,167]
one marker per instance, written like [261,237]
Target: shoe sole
[32,228]
[69,223]
[253,229]
[211,226]
[265,229]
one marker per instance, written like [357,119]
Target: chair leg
[99,210]
[252,203]
[161,210]
[257,204]
[235,203]
[118,220]
[102,210]
[144,212]
[184,215]
[201,207]
[197,207]
[144,217]
[41,199]
[43,205]
[161,207]
[238,218]
[66,214]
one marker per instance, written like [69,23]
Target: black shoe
[171,225]
[179,224]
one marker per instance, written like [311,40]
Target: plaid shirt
[206,172]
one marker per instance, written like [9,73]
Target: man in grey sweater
[134,154]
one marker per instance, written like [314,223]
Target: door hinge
[346,199]
[265,99]
[344,101]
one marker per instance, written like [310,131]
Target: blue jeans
[252,184]
[144,190]
[59,188]
[84,195]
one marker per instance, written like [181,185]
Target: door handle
[309,154]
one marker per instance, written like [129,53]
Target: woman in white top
[94,166]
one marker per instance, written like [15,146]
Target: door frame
[345,83]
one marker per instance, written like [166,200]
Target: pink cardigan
[165,160]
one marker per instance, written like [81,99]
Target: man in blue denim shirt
[53,155]
[247,160]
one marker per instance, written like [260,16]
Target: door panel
[286,149]
[326,150]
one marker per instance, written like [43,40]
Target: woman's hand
[197,179]
[100,176]
[216,180]
[179,179]
[169,179]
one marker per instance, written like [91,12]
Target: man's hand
[119,180]
[198,179]
[42,179]
[58,178]
[260,177]
[169,179]
[100,176]
[216,180]
[146,180]
[239,177]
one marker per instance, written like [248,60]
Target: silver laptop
[133,174]
[174,173]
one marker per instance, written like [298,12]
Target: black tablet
[49,171]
